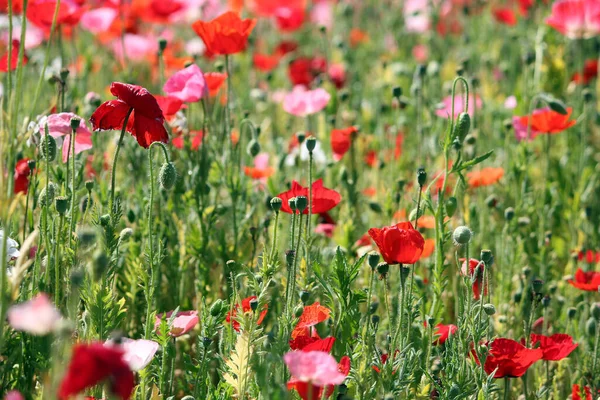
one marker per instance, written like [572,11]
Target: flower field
[299,199]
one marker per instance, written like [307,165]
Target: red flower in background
[226,34]
[22,172]
[590,72]
[246,308]
[214,81]
[443,332]
[555,347]
[548,121]
[289,18]
[14,58]
[93,363]
[169,105]
[588,281]
[475,267]
[341,140]
[485,177]
[265,62]
[505,16]
[509,358]
[589,255]
[196,140]
[576,393]
[323,199]
[304,334]
[398,244]
[302,70]
[145,122]
[309,391]
[41,13]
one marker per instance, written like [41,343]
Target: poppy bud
[487,257]
[557,105]
[462,235]
[258,278]
[546,301]
[100,263]
[489,309]
[526,271]
[215,309]
[537,285]
[375,319]
[373,307]
[375,207]
[276,204]
[76,278]
[491,201]
[301,203]
[86,236]
[301,136]
[344,95]
[454,391]
[421,176]
[343,174]
[397,91]
[188,397]
[125,235]
[552,288]
[254,304]
[89,185]
[590,326]
[253,148]
[463,124]
[131,216]
[293,204]
[50,193]
[62,204]
[298,311]
[596,311]
[429,320]
[571,312]
[311,142]
[167,176]
[518,296]
[509,213]
[47,147]
[382,269]
[523,221]
[289,257]
[342,389]
[31,165]
[587,95]
[304,296]
[162,44]
[373,259]
[105,220]
[451,205]
[206,341]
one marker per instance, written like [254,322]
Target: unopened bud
[462,235]
[215,309]
[167,176]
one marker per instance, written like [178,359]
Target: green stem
[114,164]
[72,222]
[57,261]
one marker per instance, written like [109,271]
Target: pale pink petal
[322,14]
[317,367]
[138,47]
[188,85]
[302,102]
[98,20]
[459,106]
[510,103]
[261,161]
[37,316]
[138,353]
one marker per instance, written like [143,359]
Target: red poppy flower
[17,6]
[289,19]
[576,393]
[196,137]
[589,256]
[589,281]
[286,47]
[41,13]
[341,140]
[309,391]
[590,72]
[357,37]
[302,71]
[259,173]
[14,58]
[371,158]
[145,122]
[398,244]
[548,121]
[306,340]
[510,359]
[169,105]
[442,333]
[323,199]
[485,177]
[22,172]
[303,334]
[475,267]
[265,62]
[93,363]
[505,16]
[246,308]
[226,34]
[428,248]
[384,359]
[555,347]
[214,81]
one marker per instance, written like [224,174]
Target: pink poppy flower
[322,14]
[98,20]
[416,16]
[576,19]
[34,36]
[59,127]
[446,106]
[14,395]
[316,367]
[521,129]
[138,47]
[187,85]
[510,103]
[137,353]
[302,102]
[325,229]
[184,322]
[37,316]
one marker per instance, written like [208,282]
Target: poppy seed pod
[47,147]
[167,176]
[301,203]
[462,235]
[276,204]
[293,204]
[375,319]
[298,311]
[383,268]
[487,257]
[162,44]
[301,136]
[75,122]
[253,148]
[89,185]
[311,143]
[537,285]
[254,304]
[489,309]
[62,204]
[304,296]
[463,124]
[215,309]
[596,311]
[397,91]
[421,176]
[373,260]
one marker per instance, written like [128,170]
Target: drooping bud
[487,257]
[47,194]
[463,124]
[125,234]
[253,148]
[298,311]
[167,176]
[89,185]
[383,268]
[489,309]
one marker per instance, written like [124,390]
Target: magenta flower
[37,316]
[302,102]
[446,106]
[188,85]
[137,353]
[59,127]
[576,19]
[14,395]
[316,367]
[184,322]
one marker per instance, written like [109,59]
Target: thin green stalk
[274,242]
[72,222]
[114,164]
[57,261]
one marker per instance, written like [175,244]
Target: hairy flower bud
[47,147]
[167,176]
[462,235]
